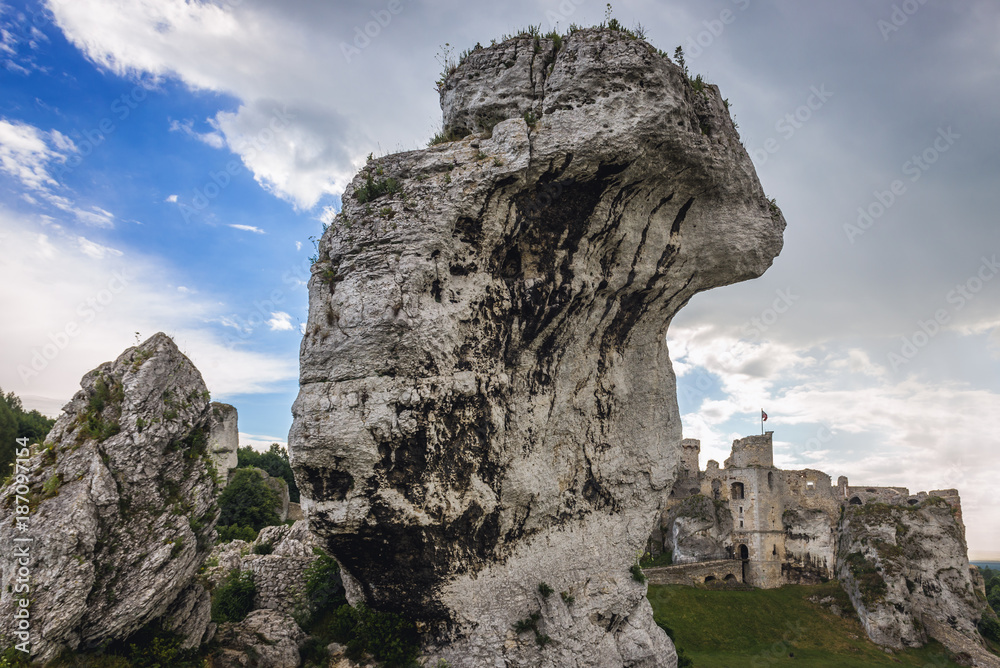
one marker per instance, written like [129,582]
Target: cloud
[171,198]
[95,250]
[248,228]
[280,322]
[26,153]
[261,443]
[213,139]
[85,301]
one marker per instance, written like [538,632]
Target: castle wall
[752,451]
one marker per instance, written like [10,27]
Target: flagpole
[761,421]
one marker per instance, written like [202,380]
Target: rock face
[699,529]
[265,639]
[486,400]
[125,513]
[904,566]
[225,439]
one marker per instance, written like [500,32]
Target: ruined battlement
[752,451]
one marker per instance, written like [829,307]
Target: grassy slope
[743,629]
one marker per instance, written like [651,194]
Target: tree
[8,434]
[248,501]
[274,462]
[15,423]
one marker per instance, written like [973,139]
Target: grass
[719,629]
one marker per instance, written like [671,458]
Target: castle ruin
[781,525]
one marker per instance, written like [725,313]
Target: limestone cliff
[122,507]
[906,570]
[698,529]
[486,399]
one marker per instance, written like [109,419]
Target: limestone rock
[486,399]
[904,566]
[125,514]
[698,529]
[225,439]
[265,639]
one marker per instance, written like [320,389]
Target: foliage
[149,647]
[263,548]
[31,425]
[989,628]
[274,462]
[324,588]
[567,598]
[446,135]
[763,626]
[374,188]
[385,636]
[637,573]
[662,559]
[871,585]
[232,532]
[232,600]
[545,590]
[92,420]
[248,501]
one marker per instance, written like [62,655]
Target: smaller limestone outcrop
[225,439]
[906,566]
[697,529]
[122,508]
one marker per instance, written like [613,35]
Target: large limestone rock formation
[225,439]
[906,571]
[125,512]
[486,400]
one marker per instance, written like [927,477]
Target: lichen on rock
[486,399]
[117,543]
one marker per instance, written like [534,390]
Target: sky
[166,164]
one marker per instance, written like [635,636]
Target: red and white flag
[763,415]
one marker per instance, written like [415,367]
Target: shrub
[386,636]
[233,599]
[248,501]
[545,590]
[637,573]
[567,598]
[989,628]
[263,548]
[324,588]
[445,135]
[274,462]
[374,188]
[236,532]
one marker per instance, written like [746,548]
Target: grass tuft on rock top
[718,629]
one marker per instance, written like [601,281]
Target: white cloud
[27,153]
[261,443]
[280,322]
[213,138]
[78,304]
[298,245]
[96,250]
[248,228]
[171,198]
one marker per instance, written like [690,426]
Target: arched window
[855,501]
[770,480]
[736,491]
[744,552]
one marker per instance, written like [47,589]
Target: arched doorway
[744,553]
[855,501]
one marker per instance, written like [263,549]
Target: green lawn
[774,627]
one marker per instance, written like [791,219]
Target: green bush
[324,588]
[637,573]
[232,600]
[248,501]
[545,590]
[989,628]
[274,462]
[386,636]
[236,532]
[263,548]
[373,188]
